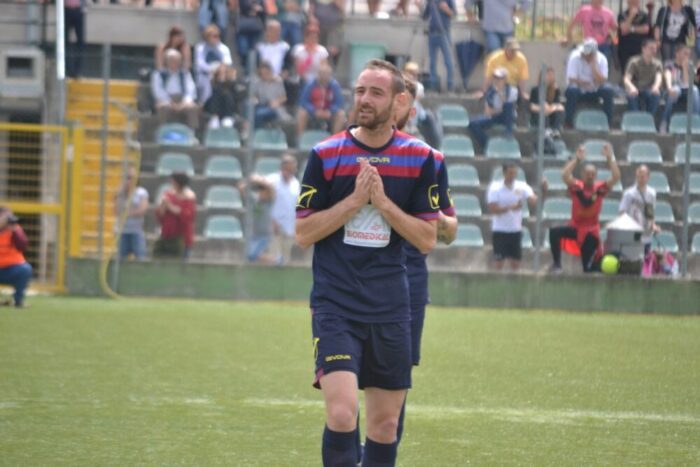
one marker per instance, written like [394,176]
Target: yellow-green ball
[610,264]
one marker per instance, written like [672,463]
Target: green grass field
[165,382]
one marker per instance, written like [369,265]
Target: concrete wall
[485,290]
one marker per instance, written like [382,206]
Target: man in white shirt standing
[271,49]
[174,91]
[587,79]
[638,201]
[287,189]
[505,200]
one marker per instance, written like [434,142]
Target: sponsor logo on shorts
[335,358]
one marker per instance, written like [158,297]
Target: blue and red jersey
[361,283]
[415,260]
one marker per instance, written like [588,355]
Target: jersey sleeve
[424,202]
[313,194]
[446,204]
[602,189]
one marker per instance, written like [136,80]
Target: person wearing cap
[500,99]
[596,21]
[643,79]
[514,61]
[499,19]
[14,269]
[587,80]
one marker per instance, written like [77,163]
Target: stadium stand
[170,162]
[454,146]
[467,205]
[223,166]
[638,122]
[223,197]
[644,152]
[462,176]
[503,148]
[679,122]
[453,116]
[591,120]
[225,138]
[223,227]
[469,235]
[176,134]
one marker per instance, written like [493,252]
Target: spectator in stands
[438,13]
[249,28]
[213,12]
[505,199]
[268,91]
[292,18]
[221,104]
[675,25]
[633,29]
[424,119]
[500,99]
[309,55]
[174,91]
[498,19]
[210,55]
[176,40]
[283,214]
[262,194]
[678,79]
[643,79]
[272,49]
[581,236]
[131,201]
[553,108]
[596,21]
[15,271]
[513,60]
[587,80]
[321,102]
[639,201]
[74,19]
[176,212]
[329,16]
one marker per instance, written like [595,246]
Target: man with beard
[366,192]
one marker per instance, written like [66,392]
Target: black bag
[249,25]
[173,247]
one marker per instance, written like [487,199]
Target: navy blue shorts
[378,353]
[417,320]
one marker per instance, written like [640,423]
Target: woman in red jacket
[176,211]
[14,269]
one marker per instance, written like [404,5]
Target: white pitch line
[524,415]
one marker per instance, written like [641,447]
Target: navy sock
[358,440]
[338,449]
[378,454]
[399,429]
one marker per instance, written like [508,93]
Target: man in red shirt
[14,269]
[581,236]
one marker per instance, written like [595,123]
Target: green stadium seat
[679,155]
[591,120]
[453,116]
[170,162]
[695,245]
[556,209]
[694,183]
[361,53]
[222,166]
[270,139]
[594,150]
[679,123]
[223,227]
[609,210]
[497,174]
[175,134]
[694,213]
[503,148]
[467,205]
[266,165]
[638,122]
[659,182]
[224,138]
[667,240]
[526,240]
[463,176]
[553,177]
[468,235]
[223,197]
[604,174]
[563,152]
[644,152]
[663,212]
[457,146]
[311,138]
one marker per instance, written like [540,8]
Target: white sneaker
[214,122]
[227,122]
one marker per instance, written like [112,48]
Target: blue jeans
[439,42]
[480,124]
[264,114]
[496,40]
[575,94]
[680,97]
[256,246]
[291,33]
[17,276]
[606,49]
[132,243]
[646,99]
[245,42]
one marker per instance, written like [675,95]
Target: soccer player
[581,236]
[365,192]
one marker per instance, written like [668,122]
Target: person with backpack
[174,92]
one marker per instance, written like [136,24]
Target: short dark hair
[264,64]
[410,85]
[508,165]
[181,179]
[648,41]
[398,84]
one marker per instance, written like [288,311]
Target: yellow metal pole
[76,198]
[62,221]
